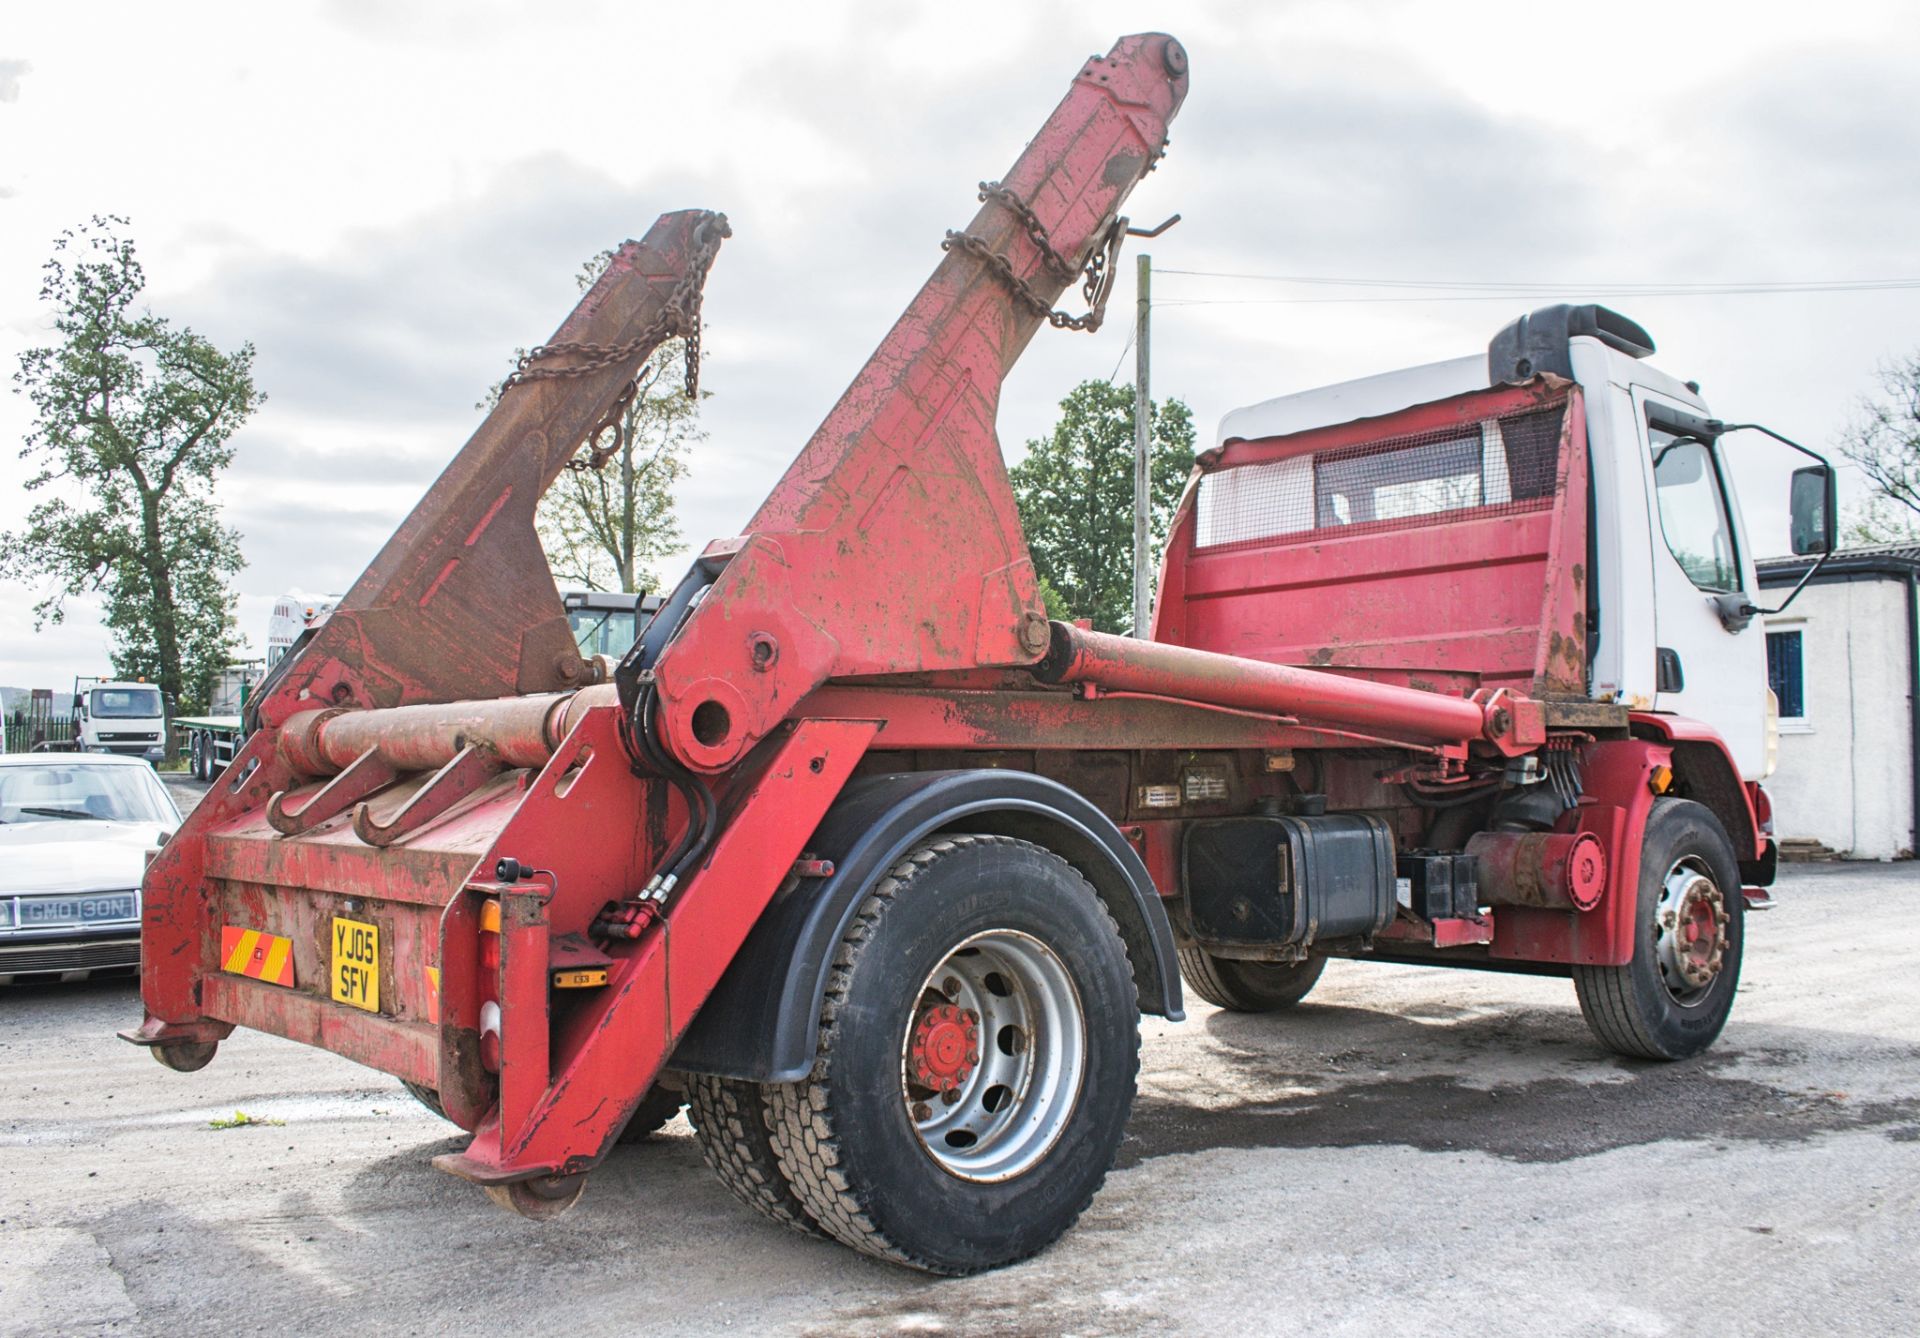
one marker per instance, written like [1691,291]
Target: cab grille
[27,959]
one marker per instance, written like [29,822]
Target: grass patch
[242,1120]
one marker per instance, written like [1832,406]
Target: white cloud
[11,73]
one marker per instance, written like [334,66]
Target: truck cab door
[1710,658]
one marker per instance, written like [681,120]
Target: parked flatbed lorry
[874,867]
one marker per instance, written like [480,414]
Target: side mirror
[1813,506]
[1812,511]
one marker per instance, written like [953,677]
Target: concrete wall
[1846,773]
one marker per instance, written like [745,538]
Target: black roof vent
[1537,342]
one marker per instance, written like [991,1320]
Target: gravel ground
[1414,1150]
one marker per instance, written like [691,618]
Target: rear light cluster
[490,984]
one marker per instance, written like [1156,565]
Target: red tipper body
[501,877]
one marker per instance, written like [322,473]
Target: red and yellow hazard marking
[252,952]
[433,994]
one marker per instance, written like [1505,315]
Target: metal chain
[1062,267]
[1099,269]
[1097,289]
[679,315]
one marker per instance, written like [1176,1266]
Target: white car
[74,829]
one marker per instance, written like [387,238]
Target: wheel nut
[921,1112]
[950,987]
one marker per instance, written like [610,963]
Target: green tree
[1884,440]
[134,421]
[1075,492]
[604,528]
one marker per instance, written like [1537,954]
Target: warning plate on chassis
[356,963]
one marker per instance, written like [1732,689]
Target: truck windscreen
[124,703]
[604,631]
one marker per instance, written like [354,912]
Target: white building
[1844,662]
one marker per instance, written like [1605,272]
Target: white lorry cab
[1672,622]
[292,615]
[129,718]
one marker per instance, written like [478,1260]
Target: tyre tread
[729,1116]
[1606,993]
[802,1113]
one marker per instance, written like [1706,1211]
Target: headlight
[6,914]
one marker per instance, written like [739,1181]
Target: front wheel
[977,1055]
[1672,998]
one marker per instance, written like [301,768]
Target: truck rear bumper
[406,1049]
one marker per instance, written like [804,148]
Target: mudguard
[760,1023]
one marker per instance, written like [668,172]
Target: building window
[1786,674]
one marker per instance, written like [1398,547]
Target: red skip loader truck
[874,867]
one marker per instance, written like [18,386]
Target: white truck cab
[129,718]
[1672,627]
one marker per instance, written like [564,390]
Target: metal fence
[25,734]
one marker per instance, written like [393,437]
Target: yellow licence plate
[356,964]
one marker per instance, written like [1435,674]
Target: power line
[1434,290]
[1482,297]
[1131,331]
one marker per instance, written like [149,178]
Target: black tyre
[977,1056]
[426,1096]
[1248,987]
[731,1119]
[197,756]
[1671,1000]
[659,1105]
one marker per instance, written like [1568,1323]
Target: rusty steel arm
[459,604]
[892,543]
[457,607]
[1124,664]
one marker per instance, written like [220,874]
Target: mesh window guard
[1498,466]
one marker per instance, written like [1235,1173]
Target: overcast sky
[386,199]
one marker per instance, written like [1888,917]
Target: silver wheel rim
[1690,930]
[994,1055]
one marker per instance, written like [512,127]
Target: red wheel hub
[944,1048]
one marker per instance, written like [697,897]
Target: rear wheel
[1249,987]
[426,1096]
[659,1105]
[1671,1000]
[197,755]
[977,1055]
[730,1117]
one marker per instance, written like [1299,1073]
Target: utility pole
[1142,441]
